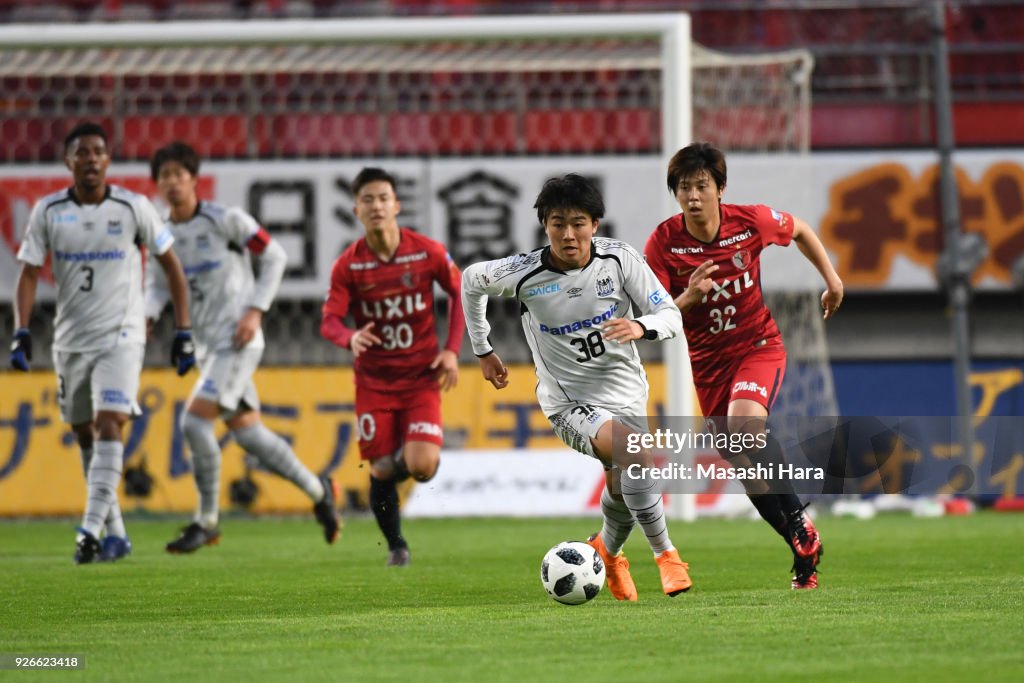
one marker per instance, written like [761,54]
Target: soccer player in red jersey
[708,257]
[386,281]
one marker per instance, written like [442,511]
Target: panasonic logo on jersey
[578,325]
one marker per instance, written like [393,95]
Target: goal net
[359,88]
[497,89]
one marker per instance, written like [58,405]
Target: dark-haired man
[216,245]
[576,297]
[709,258]
[386,280]
[96,233]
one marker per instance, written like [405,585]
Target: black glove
[183,351]
[21,349]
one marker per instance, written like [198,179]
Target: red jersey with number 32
[398,297]
[732,317]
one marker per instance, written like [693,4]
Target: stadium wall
[40,469]
[876,211]
[500,455]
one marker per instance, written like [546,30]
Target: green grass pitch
[901,599]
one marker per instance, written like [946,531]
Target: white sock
[101,484]
[277,456]
[618,522]
[644,500]
[202,442]
[114,525]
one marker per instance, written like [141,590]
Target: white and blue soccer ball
[572,573]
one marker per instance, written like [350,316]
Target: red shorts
[757,377]
[386,420]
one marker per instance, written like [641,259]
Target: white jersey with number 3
[562,316]
[97,264]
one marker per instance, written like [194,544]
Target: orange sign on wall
[40,466]
[884,212]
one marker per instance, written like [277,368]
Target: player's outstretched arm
[486,279]
[479,281]
[814,251]
[273,260]
[660,318]
[24,299]
[183,350]
[177,286]
[475,285]
[446,362]
[157,296]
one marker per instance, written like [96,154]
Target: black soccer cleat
[326,511]
[399,557]
[87,549]
[193,537]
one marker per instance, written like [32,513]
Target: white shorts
[578,424]
[225,378]
[92,381]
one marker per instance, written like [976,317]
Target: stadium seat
[212,136]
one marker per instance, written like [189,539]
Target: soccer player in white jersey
[227,305]
[575,296]
[96,233]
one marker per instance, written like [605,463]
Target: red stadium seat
[211,136]
[580,131]
[292,135]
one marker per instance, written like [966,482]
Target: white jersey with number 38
[562,316]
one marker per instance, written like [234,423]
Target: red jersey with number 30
[398,297]
[732,317]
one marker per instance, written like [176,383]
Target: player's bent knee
[85,434]
[424,473]
[746,425]
[109,424]
[618,440]
[242,419]
[193,426]
[200,407]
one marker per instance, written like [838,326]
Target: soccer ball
[572,573]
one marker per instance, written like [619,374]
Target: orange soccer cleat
[674,577]
[616,568]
